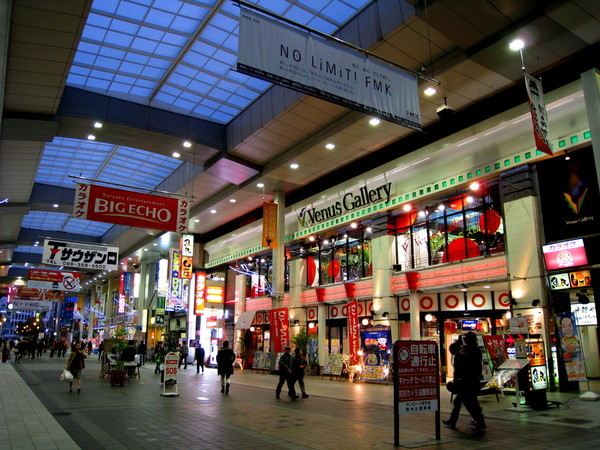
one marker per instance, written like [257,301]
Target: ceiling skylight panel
[167,50]
[120,87]
[225,57]
[179,80]
[228,86]
[275,6]
[160,18]
[111,52]
[231,43]
[218,116]
[93,33]
[131,68]
[118,39]
[224,22]
[214,35]
[45,220]
[107,63]
[216,67]
[299,15]
[30,249]
[322,25]
[184,104]
[199,87]
[144,45]
[124,26]
[220,94]
[240,102]
[190,96]
[185,25]
[163,97]
[203,111]
[86,227]
[98,19]
[189,9]
[131,10]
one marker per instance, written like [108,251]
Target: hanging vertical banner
[571,347]
[127,283]
[121,306]
[199,294]
[174,298]
[283,54]
[353,330]
[280,330]
[187,245]
[187,263]
[539,116]
[269,234]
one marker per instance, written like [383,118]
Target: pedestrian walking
[298,367]
[100,349]
[199,355]
[452,386]
[90,347]
[468,374]
[285,374]
[159,357]
[75,364]
[142,349]
[183,356]
[40,347]
[5,348]
[225,359]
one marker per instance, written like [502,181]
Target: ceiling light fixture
[474,186]
[55,205]
[213,211]
[516,45]
[374,122]
[176,154]
[232,200]
[97,124]
[407,207]
[260,185]
[196,220]
[187,144]
[91,137]
[330,146]
[294,166]
[429,91]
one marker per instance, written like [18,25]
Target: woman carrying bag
[75,365]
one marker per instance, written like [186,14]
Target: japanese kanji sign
[85,256]
[269,234]
[539,116]
[417,376]
[110,205]
[54,279]
[280,330]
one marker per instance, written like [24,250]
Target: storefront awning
[245,320]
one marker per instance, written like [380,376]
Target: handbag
[66,375]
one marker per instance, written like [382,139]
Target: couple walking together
[291,369]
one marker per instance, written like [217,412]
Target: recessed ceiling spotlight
[474,186]
[374,121]
[130,259]
[196,220]
[517,44]
[97,124]
[311,238]
[55,205]
[330,146]
[407,207]
[260,185]
[353,225]
[176,154]
[294,165]
[232,200]
[429,91]
[213,211]
[145,249]
[91,137]
[155,244]
[187,144]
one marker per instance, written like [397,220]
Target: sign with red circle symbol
[267,318]
[345,311]
[259,319]
[478,300]
[361,308]
[334,312]
[451,302]
[405,304]
[504,300]
[370,308]
[426,303]
[312,314]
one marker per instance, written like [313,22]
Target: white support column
[383,300]
[297,281]
[415,318]
[321,342]
[278,253]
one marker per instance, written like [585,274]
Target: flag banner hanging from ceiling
[54,279]
[75,254]
[269,234]
[281,54]
[280,329]
[539,116]
[110,205]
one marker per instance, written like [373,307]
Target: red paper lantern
[412,278]
[311,270]
[333,269]
[350,288]
[489,221]
[456,250]
[320,294]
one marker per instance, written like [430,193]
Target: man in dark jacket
[199,357]
[225,359]
[468,373]
[285,374]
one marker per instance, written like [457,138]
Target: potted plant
[117,370]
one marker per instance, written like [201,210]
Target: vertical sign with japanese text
[269,234]
[353,330]
[280,330]
[199,294]
[539,116]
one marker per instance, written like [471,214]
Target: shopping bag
[66,375]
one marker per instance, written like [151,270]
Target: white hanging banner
[539,115]
[281,54]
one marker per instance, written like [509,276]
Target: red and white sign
[170,378]
[104,204]
[54,280]
[280,329]
[565,254]
[353,330]
[214,294]
[417,376]
[539,115]
[199,294]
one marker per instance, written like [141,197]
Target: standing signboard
[170,377]
[416,381]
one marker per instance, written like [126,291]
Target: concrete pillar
[415,318]
[279,252]
[321,340]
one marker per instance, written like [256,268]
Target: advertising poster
[584,314]
[539,377]
[135,209]
[174,302]
[376,339]
[571,347]
[496,348]
[375,367]
[269,233]
[280,332]
[353,329]
[417,376]
[75,254]
[54,280]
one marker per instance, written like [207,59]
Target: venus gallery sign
[104,204]
[349,202]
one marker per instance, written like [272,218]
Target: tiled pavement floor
[38,412]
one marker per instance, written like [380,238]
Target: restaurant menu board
[416,386]
[333,365]
[262,361]
[375,367]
